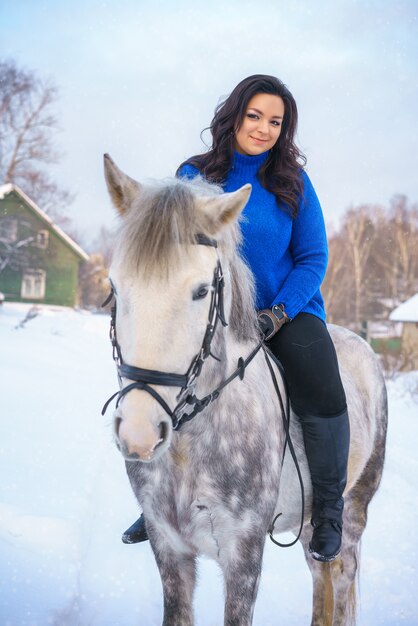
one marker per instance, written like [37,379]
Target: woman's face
[261,126]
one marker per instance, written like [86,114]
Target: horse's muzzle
[141,441]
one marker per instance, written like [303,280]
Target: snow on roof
[5,189]
[407,311]
[9,187]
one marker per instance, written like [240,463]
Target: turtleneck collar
[248,166]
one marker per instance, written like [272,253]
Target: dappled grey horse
[198,418]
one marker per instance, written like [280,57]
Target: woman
[284,243]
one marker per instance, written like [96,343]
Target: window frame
[30,276]
[42,244]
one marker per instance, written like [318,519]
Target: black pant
[307,353]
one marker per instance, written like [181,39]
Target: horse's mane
[162,219]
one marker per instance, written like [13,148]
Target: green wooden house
[39,262]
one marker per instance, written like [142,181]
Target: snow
[5,190]
[407,311]
[65,499]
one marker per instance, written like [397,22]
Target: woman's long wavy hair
[280,173]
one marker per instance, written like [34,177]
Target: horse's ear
[224,209]
[122,188]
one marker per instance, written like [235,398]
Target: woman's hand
[271,320]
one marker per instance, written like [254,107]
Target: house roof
[5,190]
[407,311]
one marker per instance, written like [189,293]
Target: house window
[33,284]
[8,229]
[42,239]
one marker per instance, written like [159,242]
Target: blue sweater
[288,257]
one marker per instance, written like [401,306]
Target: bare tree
[394,251]
[359,233]
[94,286]
[17,252]
[338,282]
[11,254]
[373,262]
[350,279]
[404,226]
[28,126]
[104,244]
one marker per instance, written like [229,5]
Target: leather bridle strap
[152,377]
[201,403]
[139,385]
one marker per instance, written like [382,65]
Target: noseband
[143,378]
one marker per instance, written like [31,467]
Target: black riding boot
[327,441]
[136,533]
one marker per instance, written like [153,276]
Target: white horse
[213,484]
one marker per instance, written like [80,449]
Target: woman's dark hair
[280,173]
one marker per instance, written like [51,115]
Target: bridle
[143,378]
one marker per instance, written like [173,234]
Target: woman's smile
[258,140]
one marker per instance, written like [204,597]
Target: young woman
[284,243]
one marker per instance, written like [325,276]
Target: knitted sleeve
[309,252]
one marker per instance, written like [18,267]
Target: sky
[140,79]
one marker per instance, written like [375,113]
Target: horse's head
[163,281]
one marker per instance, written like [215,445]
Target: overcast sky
[140,79]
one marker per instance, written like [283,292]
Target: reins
[287,442]
[143,378]
[239,372]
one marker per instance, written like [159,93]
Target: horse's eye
[200,293]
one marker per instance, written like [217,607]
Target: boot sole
[322,557]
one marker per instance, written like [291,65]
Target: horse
[198,418]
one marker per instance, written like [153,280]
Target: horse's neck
[228,349]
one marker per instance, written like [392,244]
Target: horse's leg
[178,577]
[242,572]
[323,593]
[334,584]
[344,569]
[343,576]
[334,589]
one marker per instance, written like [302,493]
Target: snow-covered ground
[65,499]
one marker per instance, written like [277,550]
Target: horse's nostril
[163,431]
[116,425]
